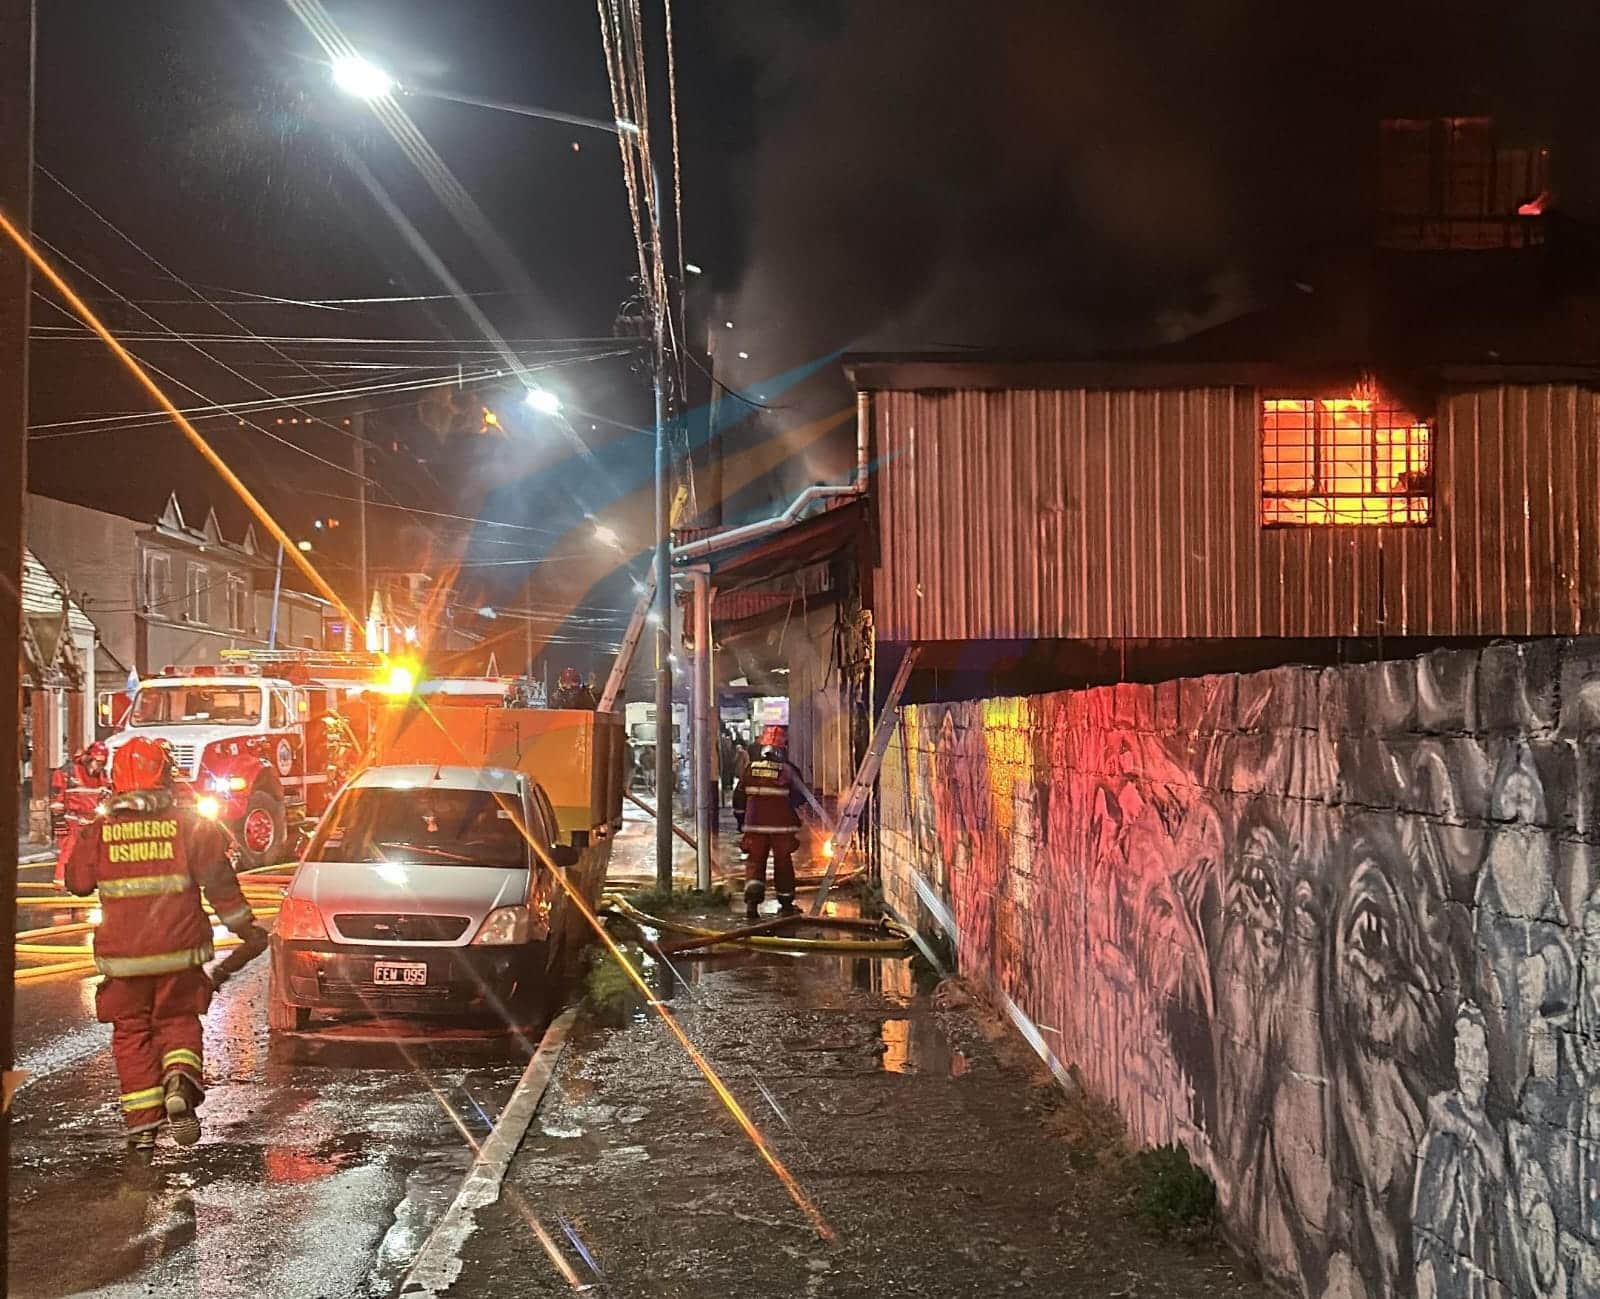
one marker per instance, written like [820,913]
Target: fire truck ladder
[630,642]
[307,658]
[867,776]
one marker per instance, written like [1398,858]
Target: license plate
[412,974]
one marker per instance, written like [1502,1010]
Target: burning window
[1327,461]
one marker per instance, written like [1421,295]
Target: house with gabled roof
[174,590]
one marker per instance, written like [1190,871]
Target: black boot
[786,906]
[182,1097]
[754,892]
[142,1145]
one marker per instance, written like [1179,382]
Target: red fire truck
[264,740]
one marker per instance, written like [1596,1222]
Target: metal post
[701,725]
[16,200]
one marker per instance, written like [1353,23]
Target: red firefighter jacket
[149,860]
[770,796]
[76,795]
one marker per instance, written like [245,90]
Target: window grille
[1333,461]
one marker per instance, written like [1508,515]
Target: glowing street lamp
[543,400]
[365,80]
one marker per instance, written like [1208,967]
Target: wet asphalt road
[326,1157]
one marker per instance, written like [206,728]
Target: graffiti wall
[1335,930]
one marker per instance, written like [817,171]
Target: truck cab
[249,747]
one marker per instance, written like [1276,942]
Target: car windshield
[214,705]
[449,827]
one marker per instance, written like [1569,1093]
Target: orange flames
[1355,460]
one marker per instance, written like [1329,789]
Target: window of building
[158,584]
[1329,461]
[198,591]
[238,603]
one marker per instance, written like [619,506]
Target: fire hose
[892,940]
[261,890]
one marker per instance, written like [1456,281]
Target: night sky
[903,173]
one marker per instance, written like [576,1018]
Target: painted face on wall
[1253,905]
[1372,983]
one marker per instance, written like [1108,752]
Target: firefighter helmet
[775,737]
[141,763]
[570,679]
[98,752]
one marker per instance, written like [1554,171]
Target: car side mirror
[564,854]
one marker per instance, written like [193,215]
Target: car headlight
[298,918]
[503,926]
[226,784]
[208,806]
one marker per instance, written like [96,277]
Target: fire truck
[263,740]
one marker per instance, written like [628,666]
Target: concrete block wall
[1335,930]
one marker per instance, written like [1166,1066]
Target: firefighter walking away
[771,824]
[149,859]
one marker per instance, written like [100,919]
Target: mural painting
[1336,930]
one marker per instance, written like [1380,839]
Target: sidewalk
[918,1132]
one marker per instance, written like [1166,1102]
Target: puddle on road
[916,1044]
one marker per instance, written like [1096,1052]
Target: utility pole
[358,428]
[712,514]
[16,200]
[663,609]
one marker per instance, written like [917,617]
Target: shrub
[1171,1195]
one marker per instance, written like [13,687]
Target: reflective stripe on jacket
[769,798]
[149,861]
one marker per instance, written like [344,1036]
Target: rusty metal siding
[1109,513]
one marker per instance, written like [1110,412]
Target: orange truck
[575,756]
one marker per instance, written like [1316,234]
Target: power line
[174,278]
[297,400]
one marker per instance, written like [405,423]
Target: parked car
[419,893]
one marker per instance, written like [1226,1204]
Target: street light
[543,400]
[365,80]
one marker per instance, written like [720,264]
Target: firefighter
[80,788]
[570,692]
[149,859]
[771,824]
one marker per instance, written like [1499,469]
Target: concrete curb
[438,1263]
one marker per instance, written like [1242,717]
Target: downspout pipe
[690,551]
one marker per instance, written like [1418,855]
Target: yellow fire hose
[263,891]
[900,943]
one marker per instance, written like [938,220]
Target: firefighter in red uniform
[771,824]
[149,859]
[80,788]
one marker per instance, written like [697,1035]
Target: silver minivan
[419,894]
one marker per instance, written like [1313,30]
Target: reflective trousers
[782,847]
[155,1032]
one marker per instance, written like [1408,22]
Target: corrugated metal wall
[1135,513]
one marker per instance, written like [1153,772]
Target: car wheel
[281,1016]
[262,835]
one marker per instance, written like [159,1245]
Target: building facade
[174,592]
[58,686]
